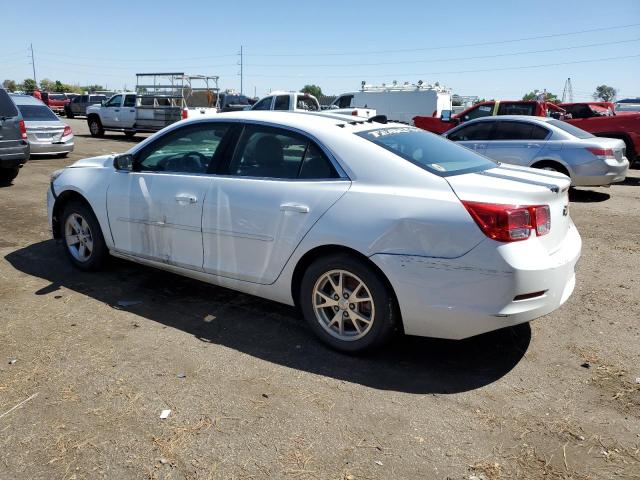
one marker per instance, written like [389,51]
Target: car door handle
[116,110]
[479,145]
[532,145]
[186,199]
[294,207]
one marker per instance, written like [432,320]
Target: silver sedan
[548,144]
[46,134]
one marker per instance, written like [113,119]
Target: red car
[598,118]
[55,101]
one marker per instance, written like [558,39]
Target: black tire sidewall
[385,317]
[100,130]
[99,247]
[7,175]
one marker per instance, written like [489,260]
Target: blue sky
[335,44]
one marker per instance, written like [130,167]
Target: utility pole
[567,92]
[33,64]
[241,70]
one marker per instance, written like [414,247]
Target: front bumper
[474,294]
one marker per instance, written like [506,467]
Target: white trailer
[398,102]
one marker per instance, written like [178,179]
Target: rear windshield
[7,108]
[57,96]
[431,152]
[97,98]
[570,129]
[36,113]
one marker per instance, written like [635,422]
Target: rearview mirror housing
[124,162]
[445,115]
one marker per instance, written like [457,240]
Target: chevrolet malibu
[370,228]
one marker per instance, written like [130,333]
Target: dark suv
[78,106]
[14,148]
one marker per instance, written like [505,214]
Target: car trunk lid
[44,132]
[520,186]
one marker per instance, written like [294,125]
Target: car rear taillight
[67,131]
[23,130]
[601,152]
[510,223]
[185,113]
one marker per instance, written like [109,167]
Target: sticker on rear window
[485,108]
[389,131]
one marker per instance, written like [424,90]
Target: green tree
[10,85]
[314,90]
[47,85]
[605,93]
[29,85]
[92,88]
[537,94]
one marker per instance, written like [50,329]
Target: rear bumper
[14,156]
[52,148]
[589,175]
[474,294]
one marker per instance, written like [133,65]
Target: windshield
[37,113]
[570,129]
[431,152]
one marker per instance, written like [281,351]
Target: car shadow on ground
[630,181]
[275,332]
[587,196]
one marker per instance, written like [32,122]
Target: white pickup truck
[121,114]
[304,102]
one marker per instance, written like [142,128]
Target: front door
[474,136]
[127,115]
[277,185]
[516,143]
[111,111]
[155,211]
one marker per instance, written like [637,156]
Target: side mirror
[445,115]
[123,162]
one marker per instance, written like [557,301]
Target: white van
[399,103]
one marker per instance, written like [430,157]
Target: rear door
[276,186]
[78,105]
[10,135]
[474,135]
[516,142]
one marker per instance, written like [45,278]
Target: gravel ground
[253,395]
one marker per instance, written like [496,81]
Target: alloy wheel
[343,305]
[78,237]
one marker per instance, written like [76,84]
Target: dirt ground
[253,395]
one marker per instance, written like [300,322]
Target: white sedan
[370,228]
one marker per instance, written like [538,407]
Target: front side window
[478,112]
[432,152]
[190,149]
[114,101]
[264,104]
[130,101]
[345,101]
[475,131]
[307,103]
[267,152]
[282,102]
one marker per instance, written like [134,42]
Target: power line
[423,74]
[462,45]
[451,59]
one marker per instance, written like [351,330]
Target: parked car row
[28,127]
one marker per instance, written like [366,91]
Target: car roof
[521,118]
[313,122]
[20,99]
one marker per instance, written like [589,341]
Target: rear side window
[570,129]
[282,102]
[37,113]
[267,152]
[432,152]
[517,109]
[130,101]
[93,98]
[7,107]
[478,112]
[307,103]
[344,101]
[518,131]
[475,131]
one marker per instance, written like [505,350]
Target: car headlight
[56,174]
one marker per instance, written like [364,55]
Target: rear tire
[130,133]
[347,304]
[95,127]
[552,166]
[82,237]
[8,174]
[69,113]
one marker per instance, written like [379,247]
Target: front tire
[82,238]
[95,127]
[347,304]
[69,113]
[130,133]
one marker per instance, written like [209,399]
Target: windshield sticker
[485,108]
[390,131]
